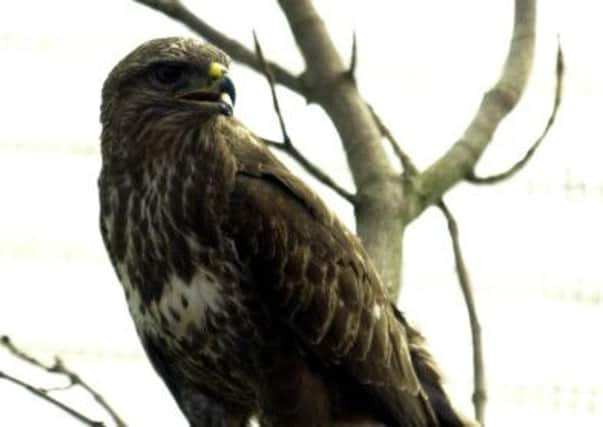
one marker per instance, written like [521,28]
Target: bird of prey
[250,297]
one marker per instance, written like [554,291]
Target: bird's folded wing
[318,278]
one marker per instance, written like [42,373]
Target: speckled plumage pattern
[249,296]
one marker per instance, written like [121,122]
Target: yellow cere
[216,71]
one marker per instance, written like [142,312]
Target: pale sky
[533,246]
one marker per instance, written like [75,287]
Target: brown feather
[249,295]
[346,321]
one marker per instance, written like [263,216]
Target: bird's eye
[168,74]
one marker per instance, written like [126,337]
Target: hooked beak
[220,93]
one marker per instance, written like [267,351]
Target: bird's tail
[431,379]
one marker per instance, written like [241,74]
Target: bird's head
[164,80]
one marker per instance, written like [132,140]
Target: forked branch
[74,380]
[502,176]
[287,146]
[458,162]
[43,394]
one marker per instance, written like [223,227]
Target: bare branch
[237,51]
[287,146]
[407,164]
[496,178]
[59,368]
[44,396]
[461,158]
[269,76]
[479,379]
[312,169]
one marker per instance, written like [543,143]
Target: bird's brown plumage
[249,296]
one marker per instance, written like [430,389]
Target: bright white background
[533,245]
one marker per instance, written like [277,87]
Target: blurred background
[533,244]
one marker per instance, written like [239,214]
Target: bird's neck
[138,142]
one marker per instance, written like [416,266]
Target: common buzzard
[250,297]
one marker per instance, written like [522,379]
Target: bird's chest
[181,279]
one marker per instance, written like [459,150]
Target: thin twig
[44,396]
[270,77]
[479,376]
[479,379]
[237,51]
[59,368]
[351,71]
[287,146]
[407,165]
[496,178]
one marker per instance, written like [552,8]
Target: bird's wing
[316,274]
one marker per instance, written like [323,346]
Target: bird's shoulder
[259,170]
[315,271]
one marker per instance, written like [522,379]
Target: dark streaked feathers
[250,297]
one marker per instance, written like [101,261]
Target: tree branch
[237,51]
[460,159]
[311,168]
[287,146]
[74,380]
[496,178]
[408,166]
[479,378]
[42,394]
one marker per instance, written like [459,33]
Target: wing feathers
[318,277]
